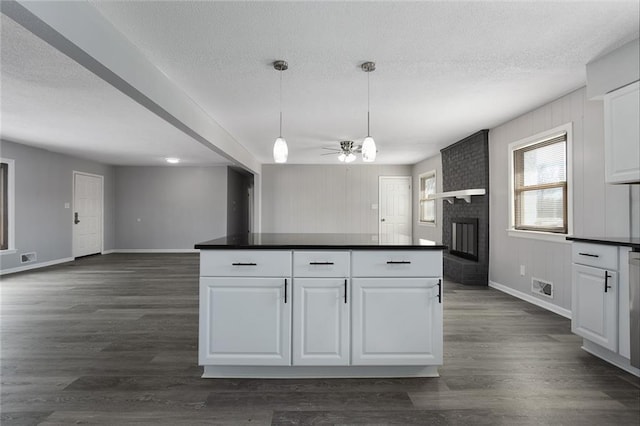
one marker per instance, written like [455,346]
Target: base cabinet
[397,321]
[321,326]
[320,313]
[245,321]
[595,305]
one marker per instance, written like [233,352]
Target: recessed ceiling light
[172,160]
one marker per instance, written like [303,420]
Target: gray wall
[426,231]
[176,206]
[312,198]
[598,209]
[43,184]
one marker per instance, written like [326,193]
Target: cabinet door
[321,321]
[594,310]
[622,134]
[396,321]
[245,321]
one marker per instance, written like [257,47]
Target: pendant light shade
[280,148]
[369,149]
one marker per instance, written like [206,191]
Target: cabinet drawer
[245,263]
[415,263]
[597,255]
[321,264]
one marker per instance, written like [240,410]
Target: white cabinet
[397,321]
[321,325]
[321,308]
[301,313]
[595,305]
[245,307]
[245,321]
[397,308]
[622,134]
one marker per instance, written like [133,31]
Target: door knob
[75,218]
[382,220]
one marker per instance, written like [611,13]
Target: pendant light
[280,149]
[368,145]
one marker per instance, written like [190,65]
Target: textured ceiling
[444,69]
[51,102]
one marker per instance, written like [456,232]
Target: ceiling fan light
[349,158]
[342,157]
[369,150]
[280,150]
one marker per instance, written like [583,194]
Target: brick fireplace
[465,226]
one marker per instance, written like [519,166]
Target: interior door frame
[409,199]
[73,209]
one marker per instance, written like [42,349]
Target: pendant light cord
[368,103]
[280,103]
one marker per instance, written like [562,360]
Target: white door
[396,321]
[594,311]
[395,209]
[87,214]
[245,321]
[321,321]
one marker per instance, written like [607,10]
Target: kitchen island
[319,305]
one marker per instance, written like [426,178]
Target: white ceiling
[444,71]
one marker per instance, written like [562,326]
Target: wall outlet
[374,207]
[522,271]
[67,205]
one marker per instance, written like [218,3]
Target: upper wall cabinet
[622,134]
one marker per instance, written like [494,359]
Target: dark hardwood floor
[113,340]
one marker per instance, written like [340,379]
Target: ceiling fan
[346,152]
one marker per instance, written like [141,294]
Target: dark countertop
[632,242]
[312,241]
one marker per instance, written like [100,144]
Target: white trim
[531,299]
[609,356]
[537,235]
[108,251]
[154,251]
[531,140]
[11,201]
[312,372]
[36,265]
[9,251]
[73,208]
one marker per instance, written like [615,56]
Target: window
[540,188]
[427,207]
[6,204]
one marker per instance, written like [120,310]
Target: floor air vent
[541,287]
[28,257]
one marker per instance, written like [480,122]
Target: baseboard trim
[35,266]
[533,300]
[154,251]
[108,251]
[611,357]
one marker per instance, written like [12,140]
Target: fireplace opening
[464,238]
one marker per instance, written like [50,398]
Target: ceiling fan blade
[330,153]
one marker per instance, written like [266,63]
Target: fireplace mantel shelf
[465,195]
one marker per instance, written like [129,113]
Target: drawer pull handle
[243,264]
[320,263]
[285,290]
[589,254]
[345,290]
[606,281]
[398,262]
[439,291]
